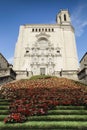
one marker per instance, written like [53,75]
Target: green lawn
[45,125]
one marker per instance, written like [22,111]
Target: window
[60,18]
[36,29]
[64,17]
[42,29]
[52,29]
[46,29]
[27,51]
[58,51]
[49,29]
[33,30]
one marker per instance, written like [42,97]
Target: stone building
[6,72]
[83,69]
[48,49]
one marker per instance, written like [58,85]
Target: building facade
[83,69]
[6,72]
[48,49]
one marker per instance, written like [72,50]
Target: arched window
[32,29]
[49,29]
[52,29]
[27,51]
[36,29]
[64,17]
[58,51]
[46,29]
[39,29]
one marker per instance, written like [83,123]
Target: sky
[14,13]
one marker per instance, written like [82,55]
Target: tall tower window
[64,17]
[60,18]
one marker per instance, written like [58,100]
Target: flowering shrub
[14,118]
[36,97]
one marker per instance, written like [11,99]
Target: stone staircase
[60,118]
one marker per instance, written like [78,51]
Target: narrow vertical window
[60,18]
[39,29]
[46,29]
[36,29]
[33,30]
[52,29]
[64,17]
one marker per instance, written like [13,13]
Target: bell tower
[63,17]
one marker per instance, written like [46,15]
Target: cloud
[79,19]
[10,60]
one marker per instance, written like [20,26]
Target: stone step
[4,100]
[4,112]
[67,112]
[70,107]
[4,103]
[54,118]
[4,107]
[58,118]
[68,125]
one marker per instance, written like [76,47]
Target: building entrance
[42,71]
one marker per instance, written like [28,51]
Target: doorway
[42,71]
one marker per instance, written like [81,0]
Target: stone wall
[3,62]
[7,75]
[82,75]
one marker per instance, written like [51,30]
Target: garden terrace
[40,101]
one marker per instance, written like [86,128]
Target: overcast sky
[14,13]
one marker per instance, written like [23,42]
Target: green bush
[40,77]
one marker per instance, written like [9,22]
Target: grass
[4,103]
[66,112]
[4,107]
[2,117]
[61,118]
[4,112]
[5,100]
[46,125]
[41,77]
[70,107]
[58,118]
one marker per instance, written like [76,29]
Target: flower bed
[38,96]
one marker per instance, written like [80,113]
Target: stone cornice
[45,25]
[64,26]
